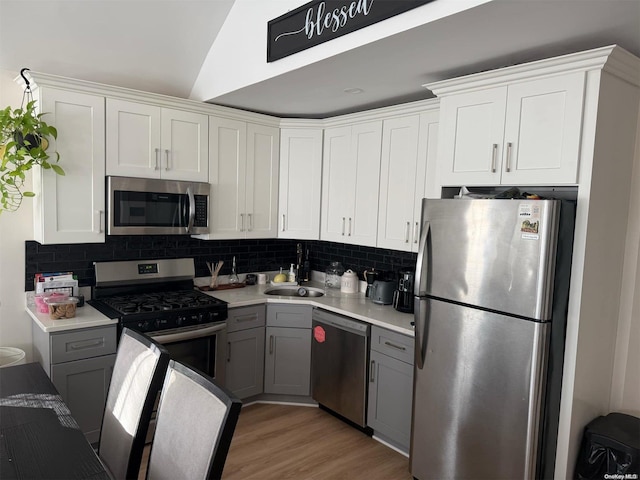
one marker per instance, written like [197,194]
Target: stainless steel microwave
[143,206]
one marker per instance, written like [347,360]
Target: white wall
[238,57]
[15,228]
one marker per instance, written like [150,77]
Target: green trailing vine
[23,145]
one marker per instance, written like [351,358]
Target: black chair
[139,370]
[194,425]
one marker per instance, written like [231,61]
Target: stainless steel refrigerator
[485,403]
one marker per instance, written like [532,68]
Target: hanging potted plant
[23,145]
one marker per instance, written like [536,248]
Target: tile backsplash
[251,255]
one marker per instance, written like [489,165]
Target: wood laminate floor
[289,442]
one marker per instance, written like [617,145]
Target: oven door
[203,347]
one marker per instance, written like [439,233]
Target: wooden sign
[320,21]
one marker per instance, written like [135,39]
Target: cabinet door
[261,204]
[338,180]
[133,139]
[362,217]
[227,155]
[390,397]
[185,146]
[300,183]
[399,181]
[287,368]
[542,131]
[471,135]
[71,208]
[245,362]
[83,385]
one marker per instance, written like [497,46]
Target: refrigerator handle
[420,309]
[419,289]
[421,312]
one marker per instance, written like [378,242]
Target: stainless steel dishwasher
[339,365]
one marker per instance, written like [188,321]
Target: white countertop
[86,317]
[354,305]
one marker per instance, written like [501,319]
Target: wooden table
[39,438]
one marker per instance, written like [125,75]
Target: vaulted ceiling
[160,46]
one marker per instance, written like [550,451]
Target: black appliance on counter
[403,296]
[157,298]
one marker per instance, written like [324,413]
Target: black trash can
[610,446]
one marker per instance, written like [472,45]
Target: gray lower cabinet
[391,386]
[80,364]
[245,351]
[287,368]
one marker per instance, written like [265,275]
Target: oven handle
[192,209]
[188,335]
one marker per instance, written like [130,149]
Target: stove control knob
[143,326]
[200,318]
[179,321]
[157,324]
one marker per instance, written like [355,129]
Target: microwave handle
[192,209]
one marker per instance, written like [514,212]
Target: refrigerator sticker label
[529,217]
[319,334]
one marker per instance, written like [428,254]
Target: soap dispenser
[292,274]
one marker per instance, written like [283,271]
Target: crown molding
[612,58]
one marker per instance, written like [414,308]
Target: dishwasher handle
[343,323]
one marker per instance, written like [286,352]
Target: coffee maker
[403,296]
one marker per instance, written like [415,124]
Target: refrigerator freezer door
[477,400]
[495,254]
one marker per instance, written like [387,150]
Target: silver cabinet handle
[246,318]
[86,344]
[167,167]
[270,344]
[228,352]
[283,222]
[157,159]
[242,222]
[415,234]
[249,222]
[97,221]
[508,166]
[349,226]
[372,374]
[494,154]
[406,232]
[393,345]
[343,220]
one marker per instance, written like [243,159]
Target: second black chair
[137,377]
[195,424]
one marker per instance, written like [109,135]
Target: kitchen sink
[295,291]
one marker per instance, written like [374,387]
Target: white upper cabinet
[156,142]
[300,183]
[523,133]
[408,148]
[71,208]
[350,183]
[243,173]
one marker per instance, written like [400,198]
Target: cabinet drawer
[79,344]
[245,317]
[294,316]
[392,344]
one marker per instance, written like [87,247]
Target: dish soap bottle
[292,274]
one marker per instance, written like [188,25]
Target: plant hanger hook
[27,89]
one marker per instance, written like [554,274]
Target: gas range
[154,295]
